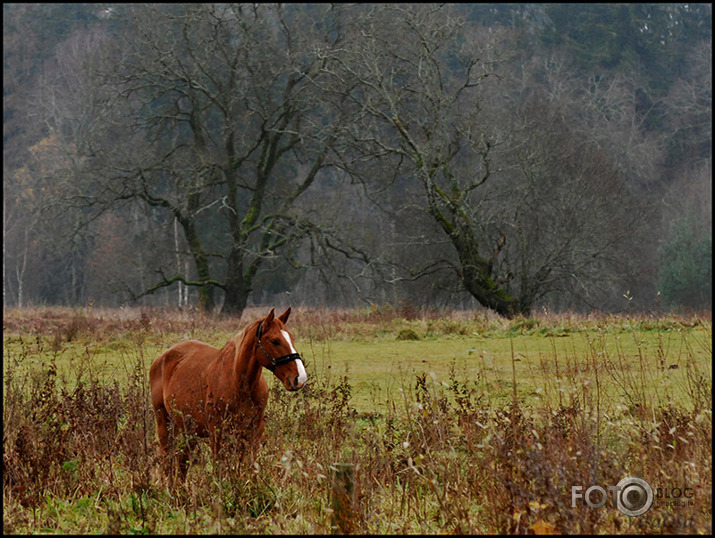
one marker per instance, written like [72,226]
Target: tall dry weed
[444,456]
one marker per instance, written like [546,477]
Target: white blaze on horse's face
[302,375]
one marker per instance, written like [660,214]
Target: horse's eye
[276,342]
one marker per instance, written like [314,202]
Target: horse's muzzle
[294,384]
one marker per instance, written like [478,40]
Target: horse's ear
[270,316]
[284,316]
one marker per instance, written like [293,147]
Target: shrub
[407,334]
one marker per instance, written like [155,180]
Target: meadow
[454,422]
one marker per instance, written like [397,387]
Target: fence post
[342,493]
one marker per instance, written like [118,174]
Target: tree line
[218,155]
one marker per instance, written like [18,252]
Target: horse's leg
[215,437]
[165,429]
[255,438]
[215,442]
[188,444]
[162,428]
[171,441]
[259,433]
[164,424]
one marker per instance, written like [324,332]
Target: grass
[454,422]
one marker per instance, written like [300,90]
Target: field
[454,422]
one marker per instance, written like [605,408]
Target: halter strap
[280,360]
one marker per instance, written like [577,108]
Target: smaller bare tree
[528,205]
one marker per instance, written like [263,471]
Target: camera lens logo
[634,496]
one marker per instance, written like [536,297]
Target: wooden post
[342,492]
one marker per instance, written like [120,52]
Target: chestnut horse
[201,390]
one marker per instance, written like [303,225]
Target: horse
[205,392]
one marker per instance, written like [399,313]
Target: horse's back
[186,359]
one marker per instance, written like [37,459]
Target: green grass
[378,368]
[455,422]
[379,363]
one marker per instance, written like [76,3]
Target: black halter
[280,360]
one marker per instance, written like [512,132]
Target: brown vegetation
[81,456]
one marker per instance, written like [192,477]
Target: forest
[511,157]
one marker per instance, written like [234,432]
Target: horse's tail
[156,381]
[156,384]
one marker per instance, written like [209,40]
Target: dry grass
[79,453]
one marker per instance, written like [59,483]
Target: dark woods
[514,157]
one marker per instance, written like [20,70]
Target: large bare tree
[213,113]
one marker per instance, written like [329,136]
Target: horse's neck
[244,365]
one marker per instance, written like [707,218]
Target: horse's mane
[250,330]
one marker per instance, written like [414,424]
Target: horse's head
[275,351]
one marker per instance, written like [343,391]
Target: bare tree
[416,96]
[221,125]
[528,205]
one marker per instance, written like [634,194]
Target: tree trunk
[476,272]
[477,279]
[178,261]
[206,291]
[236,288]
[20,272]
